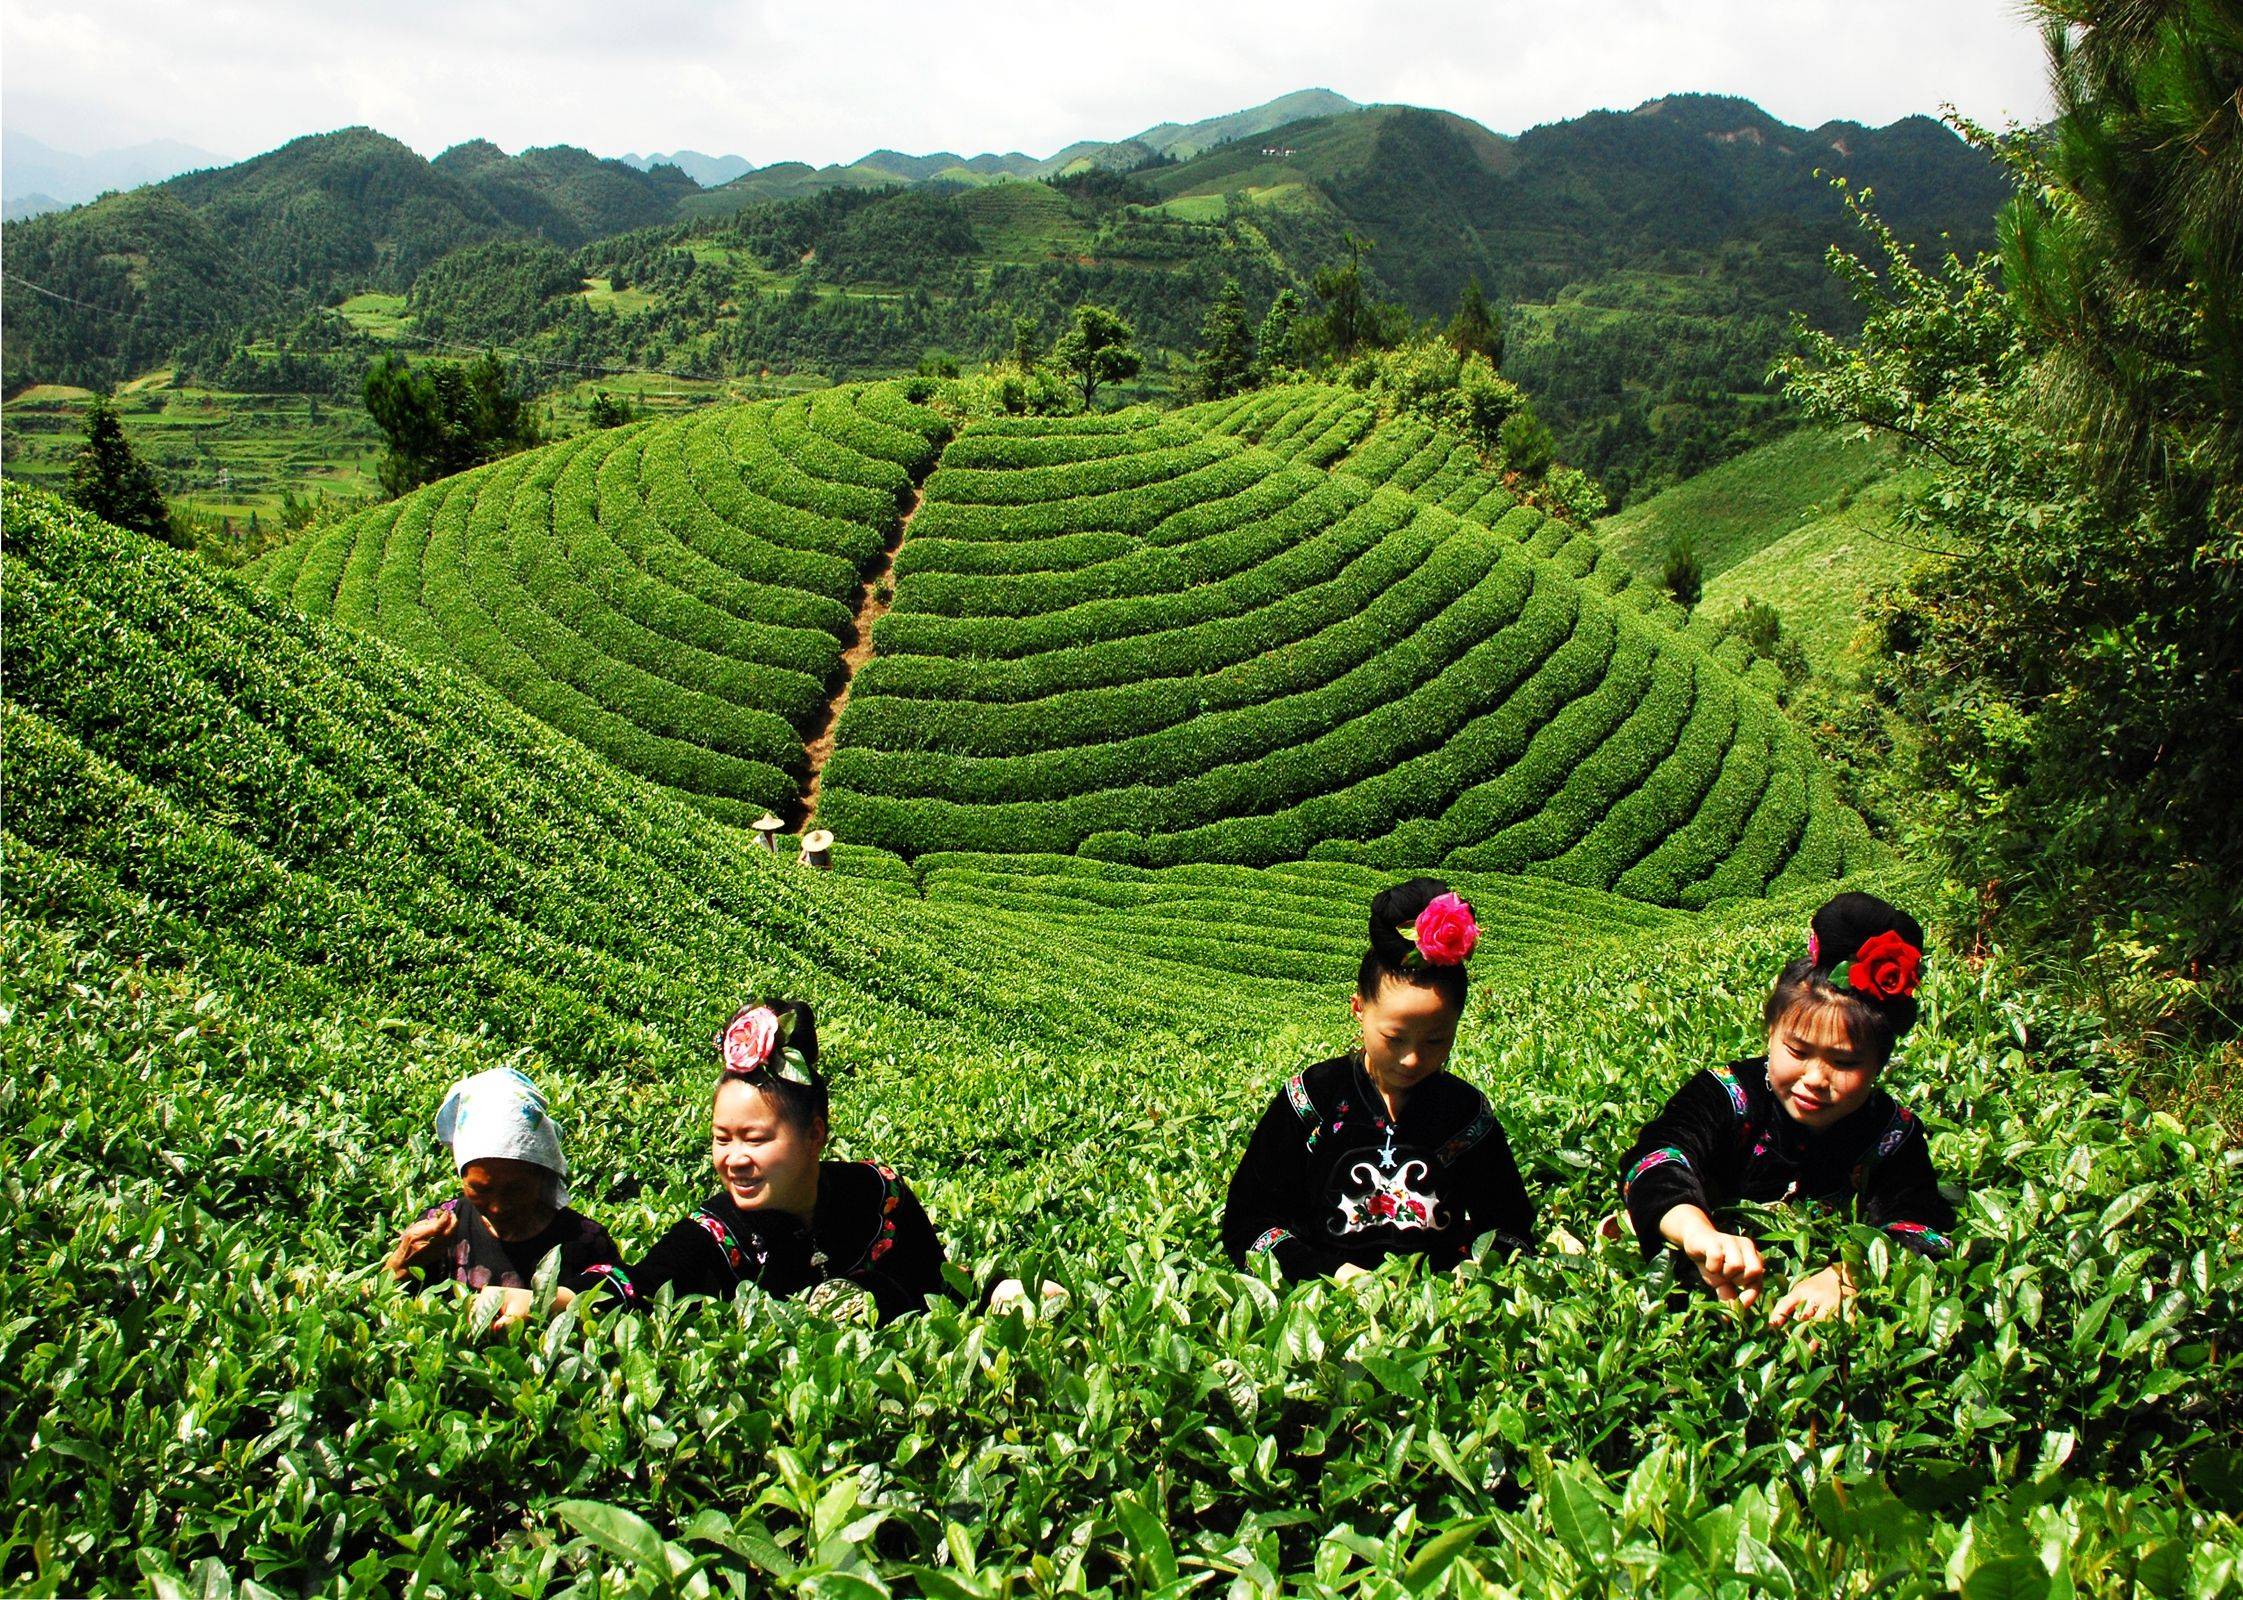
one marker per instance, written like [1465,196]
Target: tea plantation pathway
[872,605]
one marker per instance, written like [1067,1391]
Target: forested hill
[1647,262]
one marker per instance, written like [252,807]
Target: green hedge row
[1233,535]
[666,635]
[1079,480]
[1067,552]
[839,415]
[798,438]
[1670,792]
[1134,420]
[622,715]
[1607,761]
[1312,560]
[838,516]
[679,592]
[1287,606]
[656,482]
[1412,608]
[1692,852]
[1125,511]
[1391,446]
[890,406]
[578,641]
[1366,771]
[977,449]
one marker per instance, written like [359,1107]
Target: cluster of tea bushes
[1128,638]
[1337,427]
[1302,920]
[674,594]
[270,885]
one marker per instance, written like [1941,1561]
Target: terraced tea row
[676,594]
[1135,640]
[1302,920]
[1336,427]
[267,887]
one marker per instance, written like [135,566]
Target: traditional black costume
[479,1258]
[1723,1138]
[868,1230]
[1329,1179]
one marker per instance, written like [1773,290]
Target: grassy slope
[1802,523]
[1749,502]
[269,887]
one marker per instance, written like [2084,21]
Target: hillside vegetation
[676,594]
[1129,638]
[270,885]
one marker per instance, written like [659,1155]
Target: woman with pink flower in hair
[1806,1122]
[1383,1151]
[783,1220]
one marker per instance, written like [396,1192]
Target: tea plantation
[270,885]
[675,594]
[1130,638]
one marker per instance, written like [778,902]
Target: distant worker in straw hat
[817,849]
[767,830]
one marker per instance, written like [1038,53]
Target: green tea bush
[674,593]
[267,886]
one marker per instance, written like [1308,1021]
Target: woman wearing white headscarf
[513,1206]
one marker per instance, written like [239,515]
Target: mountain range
[36,177]
[1648,260]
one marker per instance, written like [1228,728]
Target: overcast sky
[829,80]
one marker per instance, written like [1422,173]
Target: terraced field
[267,887]
[676,594]
[1139,640]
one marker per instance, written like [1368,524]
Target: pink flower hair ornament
[754,1042]
[1444,934]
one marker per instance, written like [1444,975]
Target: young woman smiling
[1805,1122]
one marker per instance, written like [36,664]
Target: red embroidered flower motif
[1886,967]
[1445,932]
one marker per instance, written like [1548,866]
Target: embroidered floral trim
[1296,1093]
[1471,1134]
[721,1237]
[1917,1237]
[1271,1238]
[883,1238]
[617,1279]
[1665,1155]
[1895,1135]
[1728,1080]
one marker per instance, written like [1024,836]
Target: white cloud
[792,79]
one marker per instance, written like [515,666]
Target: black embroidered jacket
[1328,1179]
[1723,1138]
[869,1229]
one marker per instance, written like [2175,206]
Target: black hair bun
[1397,908]
[802,1035]
[1849,921]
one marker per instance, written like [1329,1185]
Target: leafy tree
[1276,343]
[1027,341]
[1225,359]
[1528,445]
[1098,348]
[1475,329]
[443,417]
[1349,320]
[110,480]
[606,411]
[2069,682]
[1683,573]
